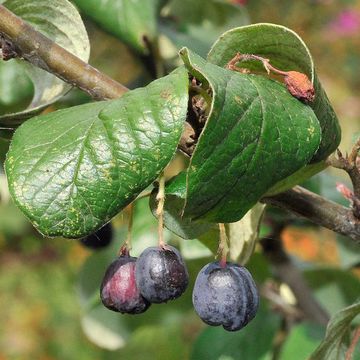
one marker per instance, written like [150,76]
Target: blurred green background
[49,306]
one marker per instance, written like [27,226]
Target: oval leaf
[72,170]
[286,51]
[60,21]
[256,135]
[132,21]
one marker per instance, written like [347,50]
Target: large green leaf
[335,344]
[72,170]
[60,21]
[130,20]
[256,135]
[287,51]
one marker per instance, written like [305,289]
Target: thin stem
[160,197]
[288,273]
[223,248]
[126,246]
[352,347]
[350,164]
[143,195]
[246,57]
[42,52]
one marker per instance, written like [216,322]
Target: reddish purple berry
[118,290]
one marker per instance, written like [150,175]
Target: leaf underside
[60,21]
[72,170]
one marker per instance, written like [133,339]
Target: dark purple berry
[99,239]
[118,290]
[161,274]
[225,296]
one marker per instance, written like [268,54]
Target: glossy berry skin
[225,296]
[99,239]
[161,274]
[118,290]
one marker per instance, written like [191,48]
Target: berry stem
[126,246]
[246,57]
[354,341]
[160,197]
[143,195]
[223,248]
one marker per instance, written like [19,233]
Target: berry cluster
[224,294]
[130,285]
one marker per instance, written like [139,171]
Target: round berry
[118,290]
[161,274]
[225,296]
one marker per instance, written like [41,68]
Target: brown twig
[354,341]
[318,210]
[42,52]
[288,273]
[350,164]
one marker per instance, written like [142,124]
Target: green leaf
[197,24]
[16,88]
[60,21]
[333,288]
[244,234]
[104,329]
[131,21]
[160,342]
[256,135]
[72,170]
[335,344]
[252,342]
[286,51]
[302,341]
[348,251]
